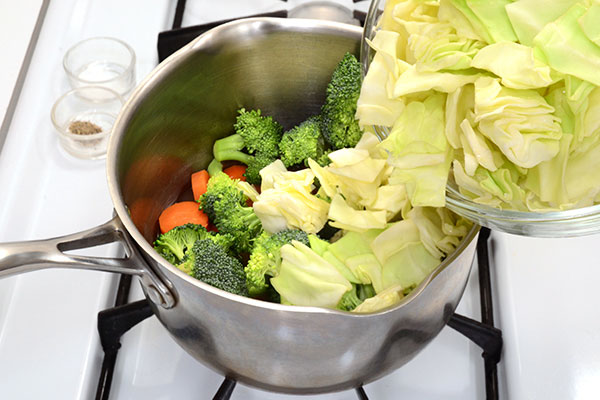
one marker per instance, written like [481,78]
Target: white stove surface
[548,308]
[545,290]
[49,347]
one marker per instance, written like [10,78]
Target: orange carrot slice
[236,172]
[185,212]
[199,182]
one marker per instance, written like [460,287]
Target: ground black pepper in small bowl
[84,124]
[84,128]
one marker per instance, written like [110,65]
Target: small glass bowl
[86,110]
[551,224]
[101,61]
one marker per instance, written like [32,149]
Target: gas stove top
[49,344]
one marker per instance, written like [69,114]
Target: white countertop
[19,24]
[49,347]
[548,308]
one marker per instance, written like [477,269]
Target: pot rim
[265,24]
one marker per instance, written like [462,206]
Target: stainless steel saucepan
[166,131]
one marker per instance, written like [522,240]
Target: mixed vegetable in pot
[311,216]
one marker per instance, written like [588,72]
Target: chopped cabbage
[567,48]
[486,18]
[515,64]
[306,279]
[515,89]
[345,217]
[384,299]
[520,123]
[528,17]
[419,151]
[286,201]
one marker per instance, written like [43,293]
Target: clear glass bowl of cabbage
[491,109]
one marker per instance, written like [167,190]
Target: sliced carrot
[199,182]
[185,212]
[236,172]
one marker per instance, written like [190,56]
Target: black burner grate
[172,40]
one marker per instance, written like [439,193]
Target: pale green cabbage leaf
[566,47]
[306,279]
[384,299]
[419,151]
[485,19]
[529,17]
[515,64]
[519,122]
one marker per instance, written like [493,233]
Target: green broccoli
[365,291]
[338,124]
[220,186]
[324,160]
[349,300]
[353,298]
[302,142]
[174,244]
[258,162]
[265,258]
[225,205]
[210,263]
[214,167]
[259,135]
[239,221]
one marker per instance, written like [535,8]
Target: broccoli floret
[225,205]
[265,258]
[258,135]
[349,300]
[239,221]
[174,244]
[167,255]
[353,298]
[324,160]
[338,124]
[220,186]
[258,162]
[302,142]
[210,263]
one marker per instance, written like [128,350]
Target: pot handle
[21,257]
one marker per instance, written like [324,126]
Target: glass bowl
[101,61]
[84,117]
[550,224]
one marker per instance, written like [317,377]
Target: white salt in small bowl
[101,61]
[84,117]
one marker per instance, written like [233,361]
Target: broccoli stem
[229,148]
[214,167]
[251,220]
